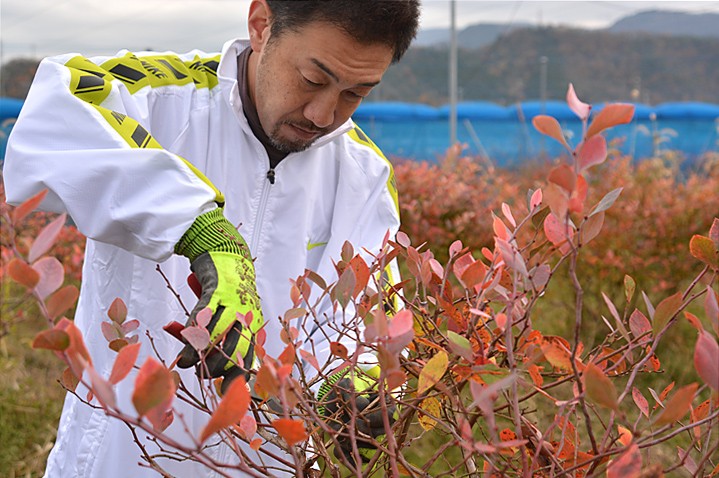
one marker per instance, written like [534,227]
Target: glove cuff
[211,232]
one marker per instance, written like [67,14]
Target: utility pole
[453,74]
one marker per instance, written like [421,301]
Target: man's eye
[310,82]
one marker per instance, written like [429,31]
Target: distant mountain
[669,23]
[659,22]
[603,66]
[473,36]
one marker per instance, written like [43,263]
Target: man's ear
[259,20]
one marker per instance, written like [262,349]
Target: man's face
[306,84]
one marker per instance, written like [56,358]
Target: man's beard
[287,146]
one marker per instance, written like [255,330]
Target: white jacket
[134,199]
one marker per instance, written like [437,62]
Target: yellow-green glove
[221,261]
[335,398]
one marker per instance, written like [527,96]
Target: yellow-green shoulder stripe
[92,84]
[359,136]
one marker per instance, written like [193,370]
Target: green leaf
[599,387]
[607,201]
[665,311]
[704,249]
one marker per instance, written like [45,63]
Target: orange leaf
[362,274]
[592,152]
[473,275]
[52,339]
[124,362]
[338,350]
[535,374]
[28,206]
[22,273]
[611,115]
[154,386]
[677,406]
[293,431]
[267,384]
[564,177]
[231,409]
[628,465]
[706,359]
[432,372]
[256,444]
[600,389]
[549,126]
[714,232]
[61,301]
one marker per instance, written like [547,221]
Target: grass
[30,402]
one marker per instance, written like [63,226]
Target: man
[137,148]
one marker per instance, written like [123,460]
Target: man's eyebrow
[332,74]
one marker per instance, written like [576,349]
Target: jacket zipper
[266,186]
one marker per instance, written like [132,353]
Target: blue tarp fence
[505,133]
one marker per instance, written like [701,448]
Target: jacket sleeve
[90,132]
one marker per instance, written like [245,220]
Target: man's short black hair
[389,22]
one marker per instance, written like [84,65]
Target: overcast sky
[37,28]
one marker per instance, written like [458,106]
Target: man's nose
[321,109]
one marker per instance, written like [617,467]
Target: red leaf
[22,273]
[198,337]
[52,339]
[628,465]
[558,233]
[677,406]
[28,206]
[706,359]
[52,275]
[549,126]
[46,239]
[579,108]
[611,115]
[400,331]
[714,232]
[640,401]
[403,239]
[536,199]
[711,307]
[293,431]
[639,325]
[231,409]
[117,311]
[175,329]
[101,389]
[61,301]
[704,249]
[247,427]
[124,362]
[309,358]
[592,152]
[153,387]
